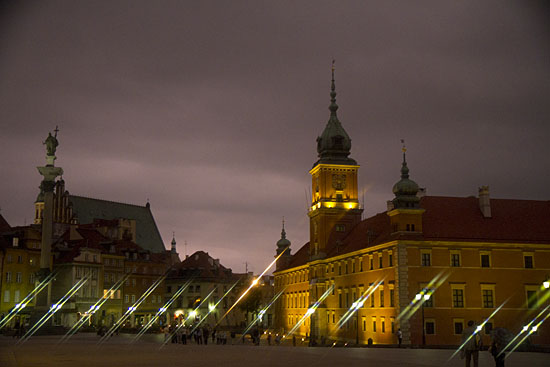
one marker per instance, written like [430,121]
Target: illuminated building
[19,262]
[208,283]
[451,259]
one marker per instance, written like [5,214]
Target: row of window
[19,258]
[132,298]
[80,272]
[342,267]
[112,262]
[7,296]
[18,277]
[458,327]
[344,300]
[484,259]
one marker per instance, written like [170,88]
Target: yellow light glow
[178,313]
[350,206]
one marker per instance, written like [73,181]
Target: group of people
[472,344]
[200,335]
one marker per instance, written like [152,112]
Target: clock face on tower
[338,181]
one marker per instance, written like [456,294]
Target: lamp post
[423,297]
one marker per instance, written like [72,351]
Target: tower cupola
[405,190]
[334,144]
[173,249]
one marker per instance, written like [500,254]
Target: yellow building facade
[426,266]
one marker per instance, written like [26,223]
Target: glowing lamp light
[534,328]
[162,309]
[303,339]
[193,313]
[360,304]
[478,328]
[418,297]
[211,308]
[255,281]
[354,305]
[426,297]
[546,284]
[525,328]
[17,305]
[310,311]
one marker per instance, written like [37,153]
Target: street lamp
[426,297]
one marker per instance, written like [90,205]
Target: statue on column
[51,143]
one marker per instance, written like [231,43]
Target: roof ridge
[475,197]
[108,201]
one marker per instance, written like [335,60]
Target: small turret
[283,245]
[173,243]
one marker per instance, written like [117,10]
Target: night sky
[210,109]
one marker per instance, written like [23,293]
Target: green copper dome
[334,144]
[405,190]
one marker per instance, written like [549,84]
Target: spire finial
[333,106]
[283,232]
[404,168]
[56,130]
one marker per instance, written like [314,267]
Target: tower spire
[283,233]
[173,242]
[404,168]
[333,106]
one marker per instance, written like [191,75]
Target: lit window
[18,277]
[487,297]
[6,296]
[133,298]
[126,298]
[455,259]
[458,298]
[426,259]
[8,277]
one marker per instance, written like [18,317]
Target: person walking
[293,340]
[399,337]
[471,342]
[205,335]
[498,343]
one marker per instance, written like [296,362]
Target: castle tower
[173,243]
[406,214]
[335,206]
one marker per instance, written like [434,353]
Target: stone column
[49,172]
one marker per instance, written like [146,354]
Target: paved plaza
[82,350]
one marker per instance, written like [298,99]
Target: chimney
[484,202]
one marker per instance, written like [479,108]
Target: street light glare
[418,297]
[426,297]
[546,284]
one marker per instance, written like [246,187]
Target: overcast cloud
[210,109]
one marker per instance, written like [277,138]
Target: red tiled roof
[202,265]
[451,219]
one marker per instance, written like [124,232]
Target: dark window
[487,298]
[412,227]
[528,261]
[430,328]
[485,261]
[392,327]
[381,298]
[383,326]
[458,298]
[169,289]
[347,300]
[531,299]
[374,326]
[364,325]
[372,300]
[339,269]
[459,326]
[380,261]
[371,263]
[339,197]
[408,227]
[390,259]
[426,259]
[361,265]
[488,328]
[353,266]
[455,260]
[392,298]
[346,267]
[340,300]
